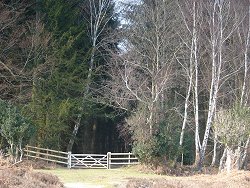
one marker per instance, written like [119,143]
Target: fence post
[129,157]
[69,159]
[27,153]
[47,157]
[37,152]
[108,160]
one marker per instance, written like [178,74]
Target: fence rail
[119,159]
[46,154]
[107,161]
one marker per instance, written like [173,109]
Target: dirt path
[121,184]
[81,185]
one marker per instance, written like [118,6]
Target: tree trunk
[245,154]
[75,131]
[193,62]
[185,113]
[223,157]
[196,105]
[243,91]
[216,43]
[229,159]
[190,75]
[233,158]
[214,150]
[85,95]
[196,109]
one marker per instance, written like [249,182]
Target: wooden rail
[119,159]
[81,160]
[46,154]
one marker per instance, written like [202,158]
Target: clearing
[133,178]
[98,177]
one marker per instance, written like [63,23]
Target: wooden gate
[87,161]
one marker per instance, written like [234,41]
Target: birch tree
[209,38]
[232,127]
[239,15]
[190,11]
[245,89]
[98,14]
[221,25]
[140,76]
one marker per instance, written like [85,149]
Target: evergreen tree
[59,95]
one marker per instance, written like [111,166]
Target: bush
[14,128]
[20,177]
[164,143]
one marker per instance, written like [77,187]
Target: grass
[120,177]
[107,178]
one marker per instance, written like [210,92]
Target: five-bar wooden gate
[87,161]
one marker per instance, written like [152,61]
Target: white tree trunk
[196,95]
[243,92]
[193,62]
[185,113]
[215,149]
[244,97]
[245,154]
[223,157]
[196,105]
[216,43]
[229,159]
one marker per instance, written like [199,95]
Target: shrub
[14,128]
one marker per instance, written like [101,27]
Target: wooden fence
[46,154]
[120,159]
[107,161]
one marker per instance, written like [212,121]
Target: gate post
[69,159]
[27,151]
[129,156]
[108,160]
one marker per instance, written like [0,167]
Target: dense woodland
[166,79]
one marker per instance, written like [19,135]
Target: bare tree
[211,25]
[191,11]
[208,56]
[222,23]
[244,93]
[20,46]
[142,73]
[238,71]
